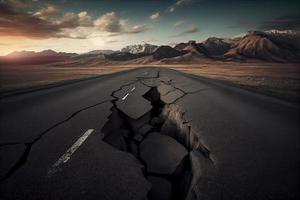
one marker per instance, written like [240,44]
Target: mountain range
[31,57]
[269,46]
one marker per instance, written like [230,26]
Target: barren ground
[277,79]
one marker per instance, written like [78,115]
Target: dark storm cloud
[291,22]
[13,23]
[20,3]
[16,23]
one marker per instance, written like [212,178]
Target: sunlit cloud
[179,3]
[50,22]
[109,23]
[139,28]
[112,41]
[85,19]
[48,12]
[180,23]
[154,16]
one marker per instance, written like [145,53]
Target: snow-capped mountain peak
[140,48]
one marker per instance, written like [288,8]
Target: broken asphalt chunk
[116,139]
[157,121]
[161,153]
[161,188]
[172,96]
[146,128]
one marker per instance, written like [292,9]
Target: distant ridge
[268,46]
[31,57]
[105,52]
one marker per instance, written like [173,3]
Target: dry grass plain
[277,79]
[19,77]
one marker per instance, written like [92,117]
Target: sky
[83,25]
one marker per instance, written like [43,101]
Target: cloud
[190,30]
[73,20]
[78,32]
[48,12]
[15,23]
[3,44]
[69,20]
[84,19]
[109,23]
[180,23]
[291,22]
[111,41]
[20,3]
[154,16]
[139,28]
[50,22]
[178,3]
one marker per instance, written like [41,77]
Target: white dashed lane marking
[67,155]
[125,96]
[132,89]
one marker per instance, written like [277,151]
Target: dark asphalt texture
[251,141]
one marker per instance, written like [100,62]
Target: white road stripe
[132,89]
[125,96]
[67,155]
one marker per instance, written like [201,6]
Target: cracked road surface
[148,133]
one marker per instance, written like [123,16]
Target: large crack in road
[161,140]
[158,135]
[150,140]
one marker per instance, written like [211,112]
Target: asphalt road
[148,133]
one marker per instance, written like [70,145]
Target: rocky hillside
[166,52]
[266,46]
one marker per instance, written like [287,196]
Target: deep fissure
[127,134]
